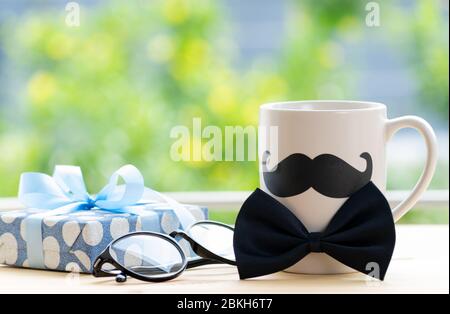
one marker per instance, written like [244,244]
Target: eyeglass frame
[206,256]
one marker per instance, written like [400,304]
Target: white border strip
[234,200]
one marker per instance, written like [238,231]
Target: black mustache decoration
[268,237]
[327,174]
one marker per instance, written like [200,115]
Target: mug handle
[425,129]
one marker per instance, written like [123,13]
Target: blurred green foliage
[423,31]
[431,57]
[108,93]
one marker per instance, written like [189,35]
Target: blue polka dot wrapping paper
[72,242]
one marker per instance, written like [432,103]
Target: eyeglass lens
[147,255]
[214,237]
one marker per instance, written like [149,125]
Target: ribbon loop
[38,190]
[70,179]
[114,197]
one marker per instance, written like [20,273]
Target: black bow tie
[269,237]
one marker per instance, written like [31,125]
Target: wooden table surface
[420,265]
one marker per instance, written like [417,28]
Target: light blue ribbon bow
[66,192]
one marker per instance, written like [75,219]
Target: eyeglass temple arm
[201,262]
[198,249]
[208,256]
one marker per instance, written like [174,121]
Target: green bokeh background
[108,92]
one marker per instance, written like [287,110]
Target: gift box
[72,242]
[72,228]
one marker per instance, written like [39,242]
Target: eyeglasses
[156,257]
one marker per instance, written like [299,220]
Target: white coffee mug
[340,145]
